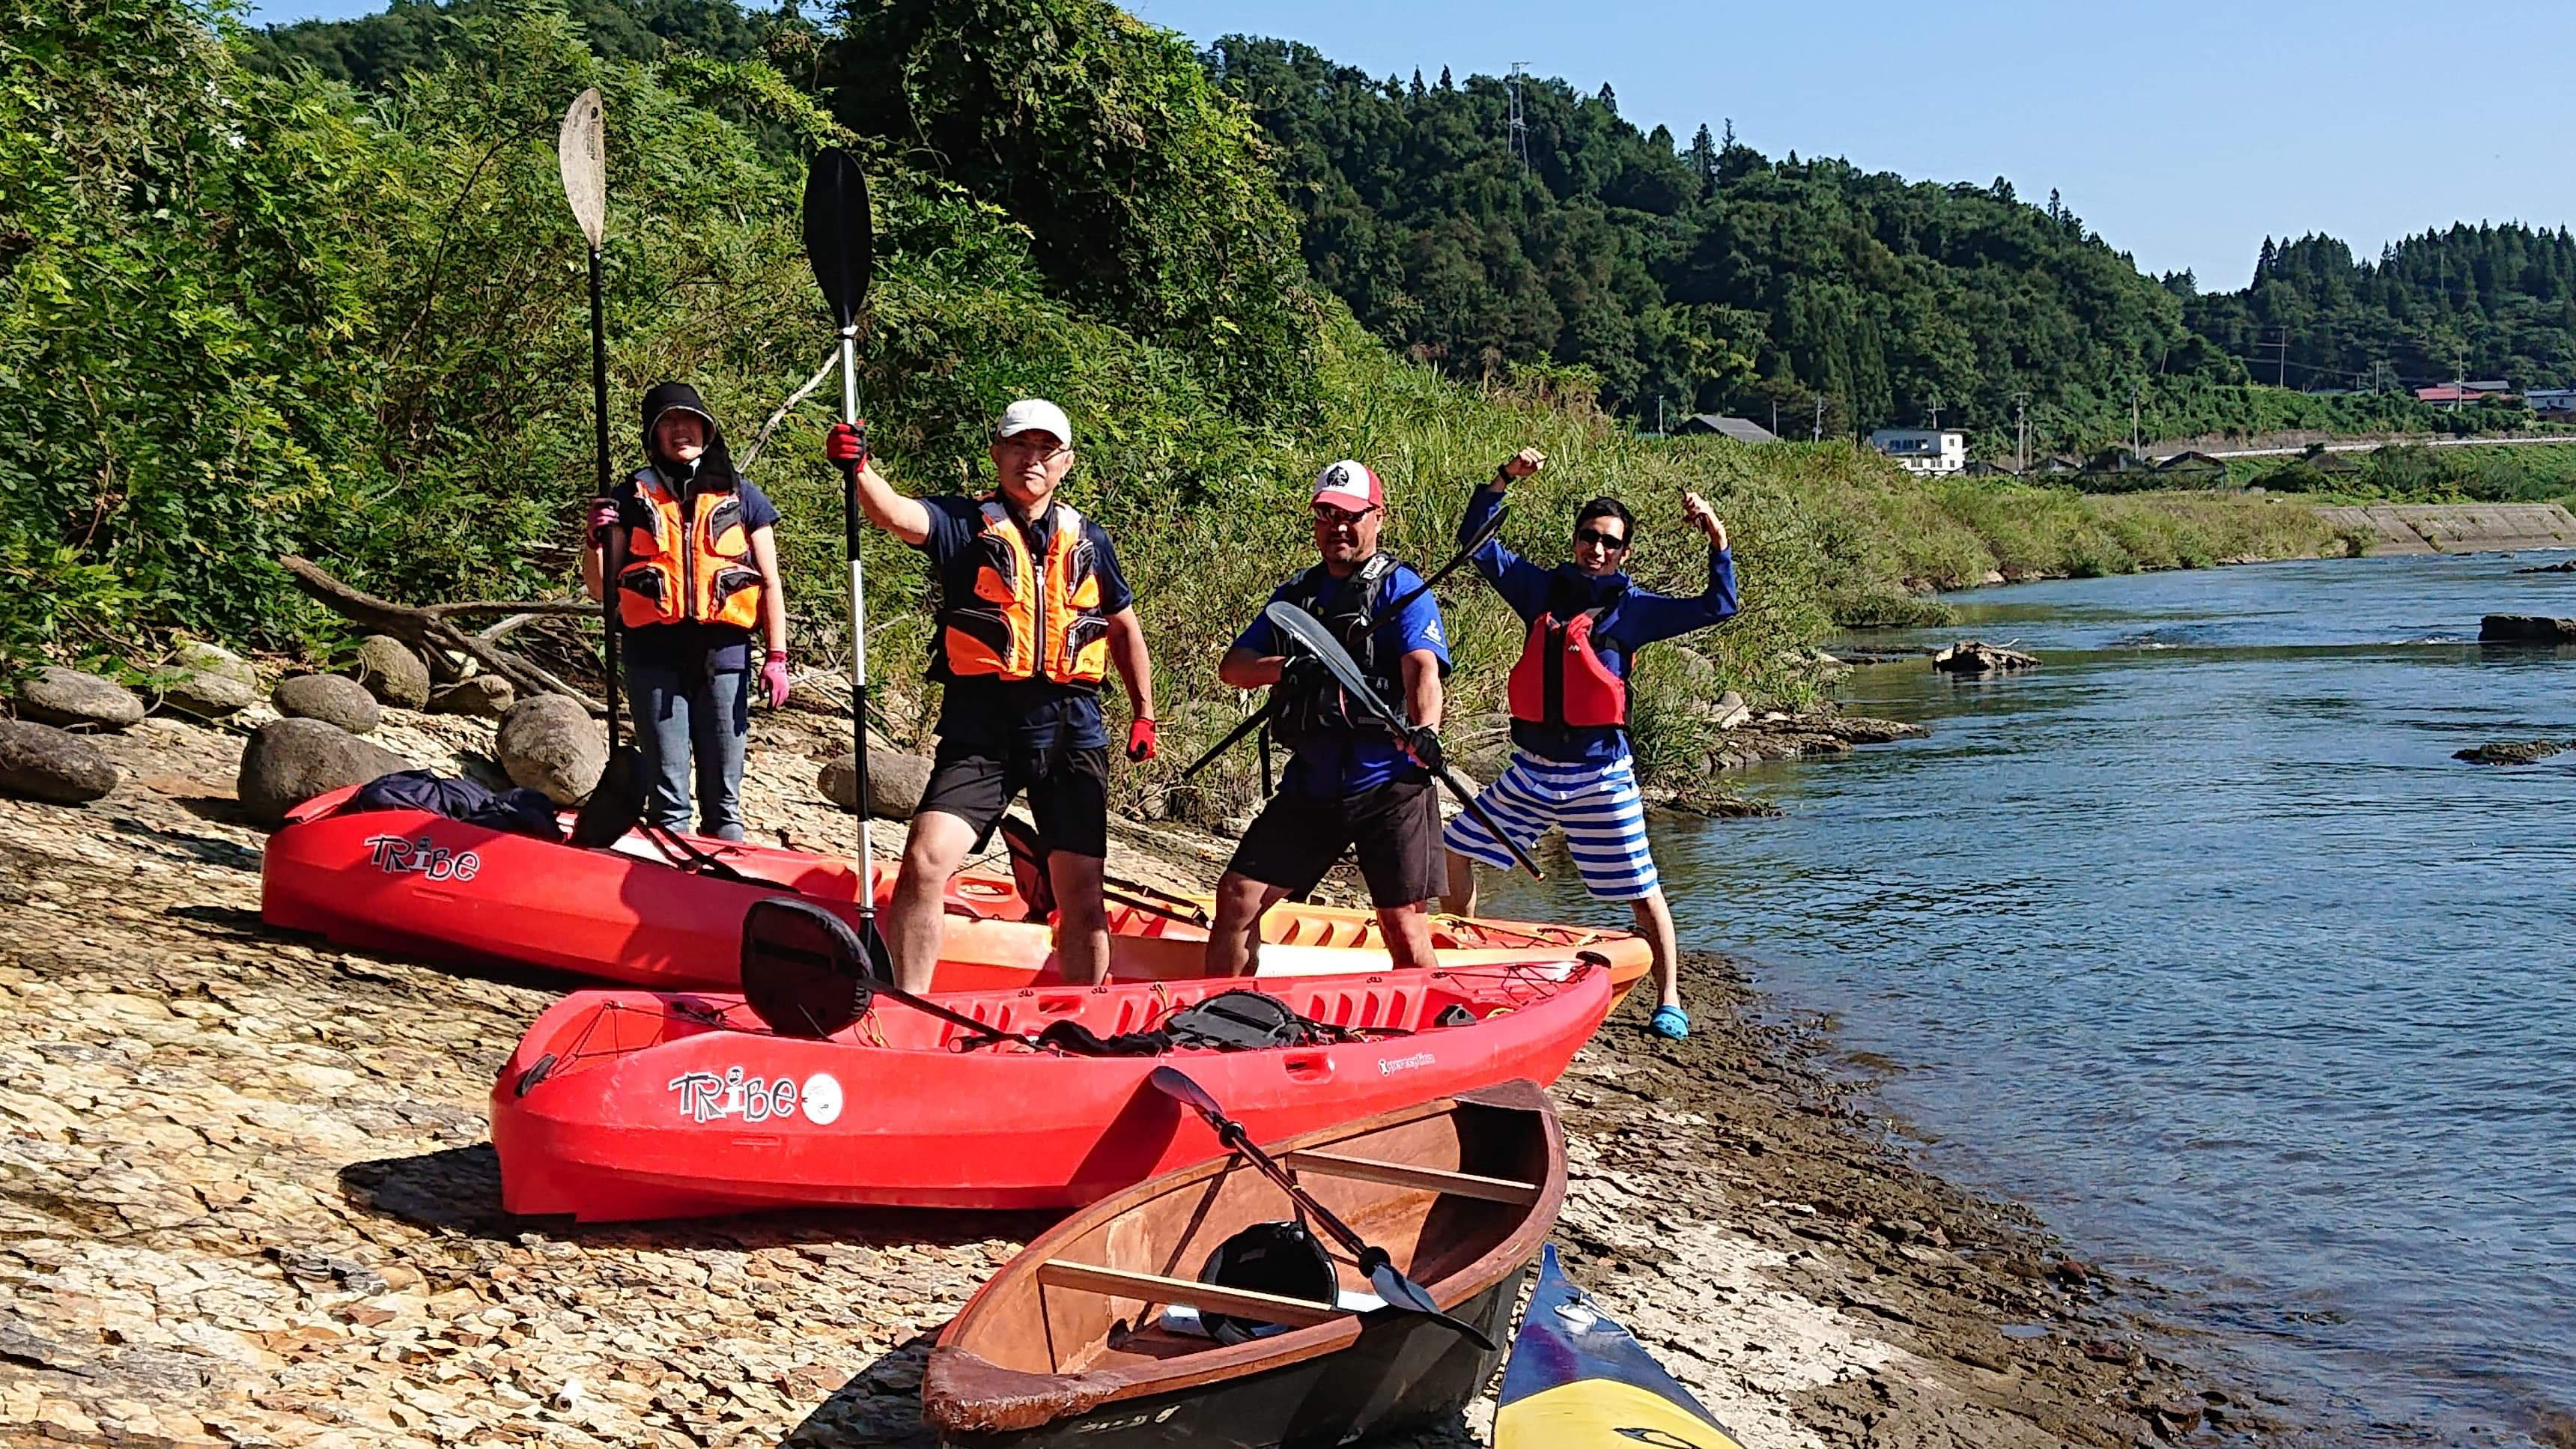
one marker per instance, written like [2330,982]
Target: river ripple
[2199,941]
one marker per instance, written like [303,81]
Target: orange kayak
[411,883]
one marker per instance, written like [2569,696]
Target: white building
[1923,450]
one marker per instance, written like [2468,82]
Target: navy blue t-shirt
[982,714]
[715,648]
[1340,766]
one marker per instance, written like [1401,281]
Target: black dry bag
[1282,1259]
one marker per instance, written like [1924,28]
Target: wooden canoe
[1090,1331]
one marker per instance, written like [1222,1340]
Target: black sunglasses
[1599,539]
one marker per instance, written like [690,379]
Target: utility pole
[1519,121]
[1936,412]
[1659,415]
[2281,358]
[2136,445]
[1819,435]
[2021,432]
[1775,417]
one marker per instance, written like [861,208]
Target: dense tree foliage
[2477,301]
[416,35]
[1706,276]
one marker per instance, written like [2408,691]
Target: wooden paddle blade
[581,148]
[840,240]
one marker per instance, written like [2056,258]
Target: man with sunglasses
[1033,613]
[1353,781]
[1570,765]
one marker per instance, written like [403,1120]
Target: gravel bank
[246,1197]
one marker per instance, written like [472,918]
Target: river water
[2197,940]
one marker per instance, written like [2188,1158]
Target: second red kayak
[621,1105]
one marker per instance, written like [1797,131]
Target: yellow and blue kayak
[1578,1381]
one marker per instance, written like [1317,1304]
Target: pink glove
[774,676]
[603,516]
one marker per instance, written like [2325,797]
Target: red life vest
[1561,682]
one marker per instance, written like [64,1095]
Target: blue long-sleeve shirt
[1635,618]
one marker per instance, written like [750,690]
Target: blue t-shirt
[713,648]
[981,714]
[1339,766]
[1634,619]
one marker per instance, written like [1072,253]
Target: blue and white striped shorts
[1598,806]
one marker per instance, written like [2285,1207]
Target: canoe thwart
[1405,1174]
[1206,1297]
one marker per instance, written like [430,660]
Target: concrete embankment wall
[2456,527]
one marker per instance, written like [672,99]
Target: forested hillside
[2475,301]
[247,310]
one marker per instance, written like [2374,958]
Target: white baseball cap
[1351,485]
[1035,412]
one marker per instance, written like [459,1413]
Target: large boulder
[210,682]
[57,696]
[2526,629]
[551,744]
[1975,656]
[391,672]
[895,782]
[41,762]
[289,761]
[488,695]
[330,698]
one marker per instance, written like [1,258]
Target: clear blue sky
[2183,132]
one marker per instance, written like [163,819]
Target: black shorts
[1068,793]
[1394,828]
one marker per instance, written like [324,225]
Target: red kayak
[410,883]
[620,1105]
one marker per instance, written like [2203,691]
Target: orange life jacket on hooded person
[690,561]
[1029,617]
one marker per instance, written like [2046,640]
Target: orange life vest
[1561,682]
[1029,618]
[689,568]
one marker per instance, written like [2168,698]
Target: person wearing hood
[1570,765]
[693,548]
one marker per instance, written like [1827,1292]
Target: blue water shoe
[1670,1022]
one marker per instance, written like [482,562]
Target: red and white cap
[1349,485]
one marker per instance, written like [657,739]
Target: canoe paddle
[1483,535]
[1391,1284]
[1309,633]
[581,153]
[840,242]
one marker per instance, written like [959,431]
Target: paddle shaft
[858,625]
[599,415]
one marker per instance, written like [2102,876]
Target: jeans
[680,708]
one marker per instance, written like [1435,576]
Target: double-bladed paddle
[1309,633]
[840,242]
[1398,1290]
[581,152]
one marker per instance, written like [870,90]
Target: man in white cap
[1353,782]
[1033,613]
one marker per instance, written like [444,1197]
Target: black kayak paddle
[840,242]
[581,153]
[1399,1291]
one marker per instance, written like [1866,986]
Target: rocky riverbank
[247,1197]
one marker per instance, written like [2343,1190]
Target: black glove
[1424,745]
[1303,672]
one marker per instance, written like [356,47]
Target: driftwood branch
[428,629]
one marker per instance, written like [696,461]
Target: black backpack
[1246,1020]
[1276,1258]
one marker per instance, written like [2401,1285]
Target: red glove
[847,445]
[603,515]
[1140,740]
[774,675]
